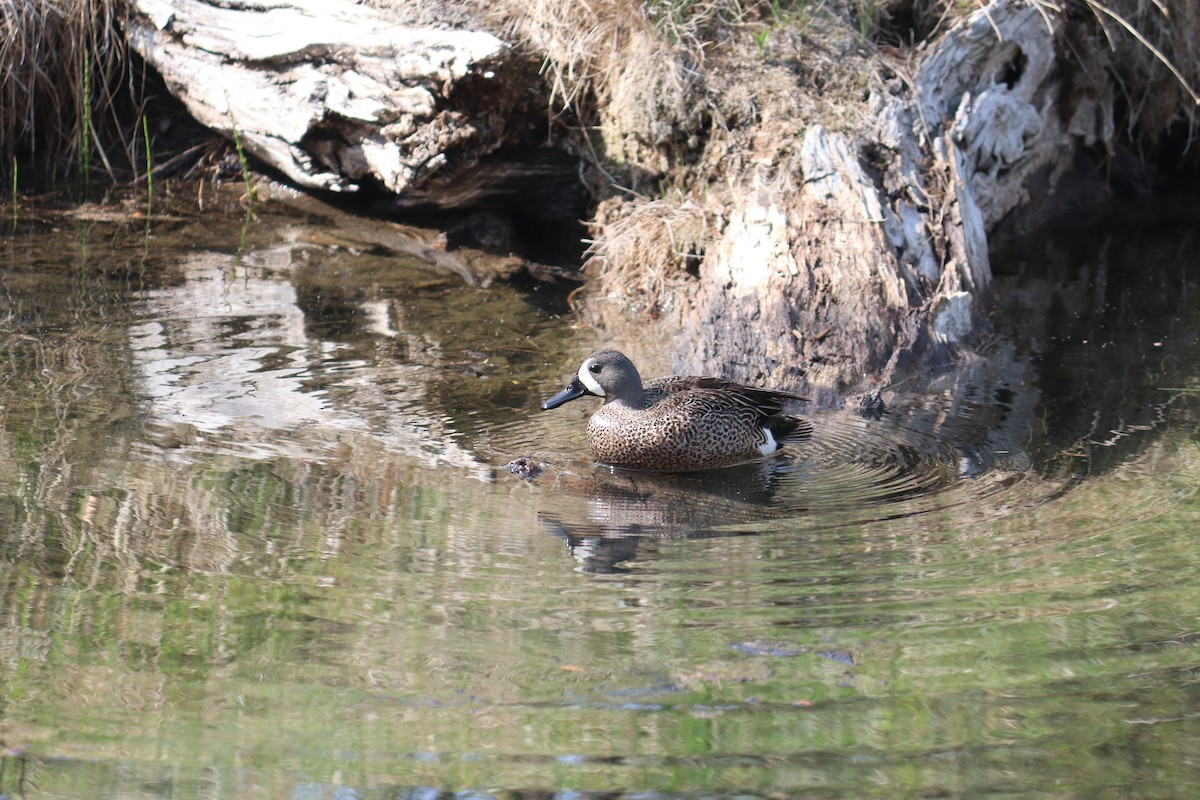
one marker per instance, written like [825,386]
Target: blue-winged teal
[678,424]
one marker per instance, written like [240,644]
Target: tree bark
[862,254]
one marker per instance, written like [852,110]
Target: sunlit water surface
[259,541]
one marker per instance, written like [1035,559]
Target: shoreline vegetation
[73,96]
[716,135]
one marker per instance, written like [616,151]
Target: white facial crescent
[587,380]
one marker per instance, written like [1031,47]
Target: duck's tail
[791,430]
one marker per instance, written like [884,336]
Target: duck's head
[605,373]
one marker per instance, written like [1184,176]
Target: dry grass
[60,61]
[635,74]
[641,78]
[1154,48]
[630,69]
[585,41]
[646,246]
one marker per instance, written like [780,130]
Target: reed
[15,194]
[149,168]
[83,148]
[244,163]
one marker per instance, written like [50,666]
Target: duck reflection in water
[604,517]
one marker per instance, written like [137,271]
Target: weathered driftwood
[334,93]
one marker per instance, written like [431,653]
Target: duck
[678,423]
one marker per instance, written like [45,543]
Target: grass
[628,70]
[61,65]
[761,39]
[868,13]
[83,147]
[778,18]
[1178,33]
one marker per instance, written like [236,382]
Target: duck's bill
[574,390]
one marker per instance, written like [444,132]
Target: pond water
[258,540]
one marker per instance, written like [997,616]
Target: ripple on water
[919,457]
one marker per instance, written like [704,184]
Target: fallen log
[335,94]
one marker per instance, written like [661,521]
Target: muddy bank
[779,194]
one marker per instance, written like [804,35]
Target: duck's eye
[594,368]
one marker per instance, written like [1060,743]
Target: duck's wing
[718,391]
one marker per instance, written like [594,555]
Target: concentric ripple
[921,455]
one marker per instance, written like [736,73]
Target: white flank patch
[770,445]
[587,380]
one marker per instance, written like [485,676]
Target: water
[257,540]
